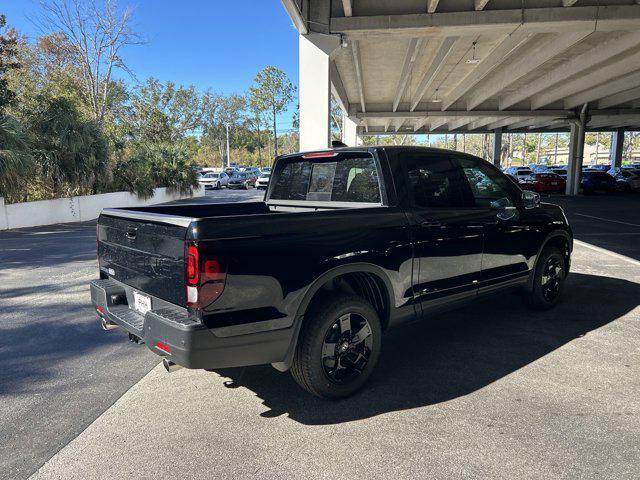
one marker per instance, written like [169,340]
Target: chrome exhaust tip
[107,325]
[169,366]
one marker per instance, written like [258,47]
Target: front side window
[435,182]
[349,177]
[489,188]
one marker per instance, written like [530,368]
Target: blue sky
[210,44]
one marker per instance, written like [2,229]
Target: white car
[214,180]
[263,181]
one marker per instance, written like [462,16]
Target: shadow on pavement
[462,351]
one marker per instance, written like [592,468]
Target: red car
[548,182]
[524,183]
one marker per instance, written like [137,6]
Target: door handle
[431,223]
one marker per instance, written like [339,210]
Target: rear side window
[344,178]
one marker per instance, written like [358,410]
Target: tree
[218,113]
[273,92]
[256,120]
[70,150]
[94,36]
[8,52]
[163,112]
[14,158]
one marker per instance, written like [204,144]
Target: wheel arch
[560,239]
[360,276]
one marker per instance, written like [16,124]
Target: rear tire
[338,348]
[548,280]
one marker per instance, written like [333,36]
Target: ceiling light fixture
[435,98]
[473,60]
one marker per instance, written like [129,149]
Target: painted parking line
[607,252]
[608,220]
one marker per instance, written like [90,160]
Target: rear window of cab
[328,177]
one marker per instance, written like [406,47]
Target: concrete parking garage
[483,66]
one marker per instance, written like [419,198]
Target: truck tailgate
[143,254]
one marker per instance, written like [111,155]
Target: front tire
[338,348]
[548,280]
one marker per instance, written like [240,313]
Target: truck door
[446,230]
[509,239]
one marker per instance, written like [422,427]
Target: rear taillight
[205,276]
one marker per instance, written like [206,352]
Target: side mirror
[530,199]
[504,208]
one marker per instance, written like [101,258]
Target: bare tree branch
[96,32]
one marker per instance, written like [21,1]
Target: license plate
[554,183]
[141,303]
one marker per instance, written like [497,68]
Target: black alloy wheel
[346,348]
[552,275]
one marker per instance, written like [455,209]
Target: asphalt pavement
[489,391]
[59,370]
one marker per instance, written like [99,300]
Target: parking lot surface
[489,391]
[59,369]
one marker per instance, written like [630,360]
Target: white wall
[77,209]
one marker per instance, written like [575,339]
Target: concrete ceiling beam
[357,63]
[498,55]
[479,4]
[414,47]
[602,91]
[598,76]
[553,19]
[618,98]
[574,67]
[347,6]
[337,87]
[295,15]
[434,68]
[432,5]
[465,113]
[546,49]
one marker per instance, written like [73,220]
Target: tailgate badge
[109,271]
[131,233]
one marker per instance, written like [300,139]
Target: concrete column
[350,131]
[497,146]
[617,144]
[576,153]
[315,89]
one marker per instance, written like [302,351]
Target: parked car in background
[231,170]
[263,181]
[599,167]
[252,173]
[265,169]
[524,184]
[241,180]
[561,171]
[518,172]
[538,168]
[352,242]
[627,180]
[597,181]
[548,182]
[214,180]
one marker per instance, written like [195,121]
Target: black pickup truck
[347,243]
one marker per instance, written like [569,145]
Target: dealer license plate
[141,303]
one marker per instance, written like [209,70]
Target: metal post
[497,147]
[228,158]
[576,153]
[617,144]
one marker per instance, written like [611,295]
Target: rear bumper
[191,344]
